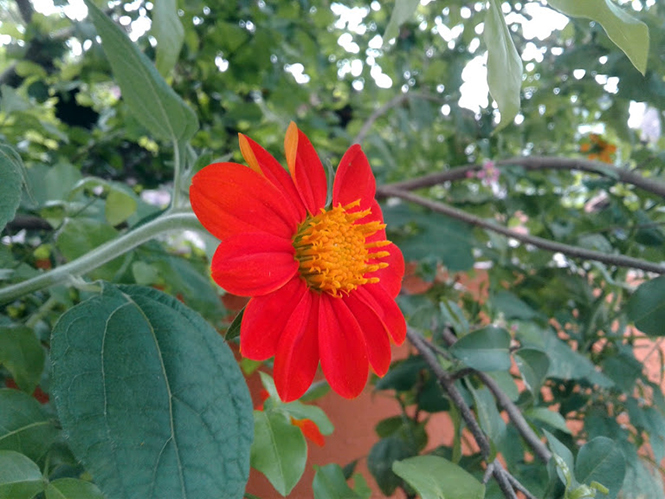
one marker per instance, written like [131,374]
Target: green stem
[102,254]
[177,174]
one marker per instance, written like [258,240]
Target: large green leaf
[602,461]
[402,12]
[504,65]
[485,349]
[329,483]
[646,307]
[72,488]
[151,397]
[565,468]
[20,478]
[169,33]
[279,450]
[25,426]
[434,477]
[154,104]
[533,365]
[629,34]
[11,180]
[23,356]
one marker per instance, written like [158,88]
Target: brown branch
[573,251]
[513,411]
[531,163]
[448,385]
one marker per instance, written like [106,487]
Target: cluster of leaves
[131,386]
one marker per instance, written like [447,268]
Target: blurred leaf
[545,415]
[150,397]
[233,331]
[488,415]
[381,458]
[154,104]
[454,317]
[20,478]
[629,34]
[329,483]
[565,472]
[169,33]
[23,356]
[504,65]
[279,450]
[646,307]
[485,349]
[434,477]
[72,488]
[119,207]
[402,12]
[533,365]
[511,306]
[403,375]
[602,461]
[312,412]
[25,426]
[11,181]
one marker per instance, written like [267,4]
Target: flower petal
[390,278]
[378,299]
[342,348]
[354,179]
[253,264]
[297,355]
[374,331]
[265,318]
[306,169]
[261,161]
[229,198]
[310,430]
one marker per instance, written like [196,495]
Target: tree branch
[533,163]
[513,411]
[448,385]
[573,251]
[26,10]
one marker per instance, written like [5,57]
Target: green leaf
[80,235]
[234,329]
[20,478]
[169,33]
[454,317]
[154,104]
[23,356]
[488,415]
[533,365]
[402,12]
[545,415]
[485,349]
[25,426]
[602,461]
[119,207]
[279,450]
[72,488]
[312,412]
[150,397]
[629,34]
[11,180]
[434,477]
[329,483]
[381,458]
[504,65]
[512,307]
[646,308]
[565,467]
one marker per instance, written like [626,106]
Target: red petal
[342,348]
[297,355]
[310,430]
[354,180]
[265,318]
[263,162]
[376,297]
[306,169]
[253,264]
[374,331]
[390,278]
[229,199]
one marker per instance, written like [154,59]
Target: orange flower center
[332,251]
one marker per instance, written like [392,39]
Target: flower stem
[102,254]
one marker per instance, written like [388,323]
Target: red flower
[323,279]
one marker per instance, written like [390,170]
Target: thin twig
[533,163]
[513,411]
[573,251]
[517,485]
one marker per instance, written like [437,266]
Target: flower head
[322,279]
[598,148]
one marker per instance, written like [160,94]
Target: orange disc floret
[322,279]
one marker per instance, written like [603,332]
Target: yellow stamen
[332,251]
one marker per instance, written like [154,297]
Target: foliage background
[82,146]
